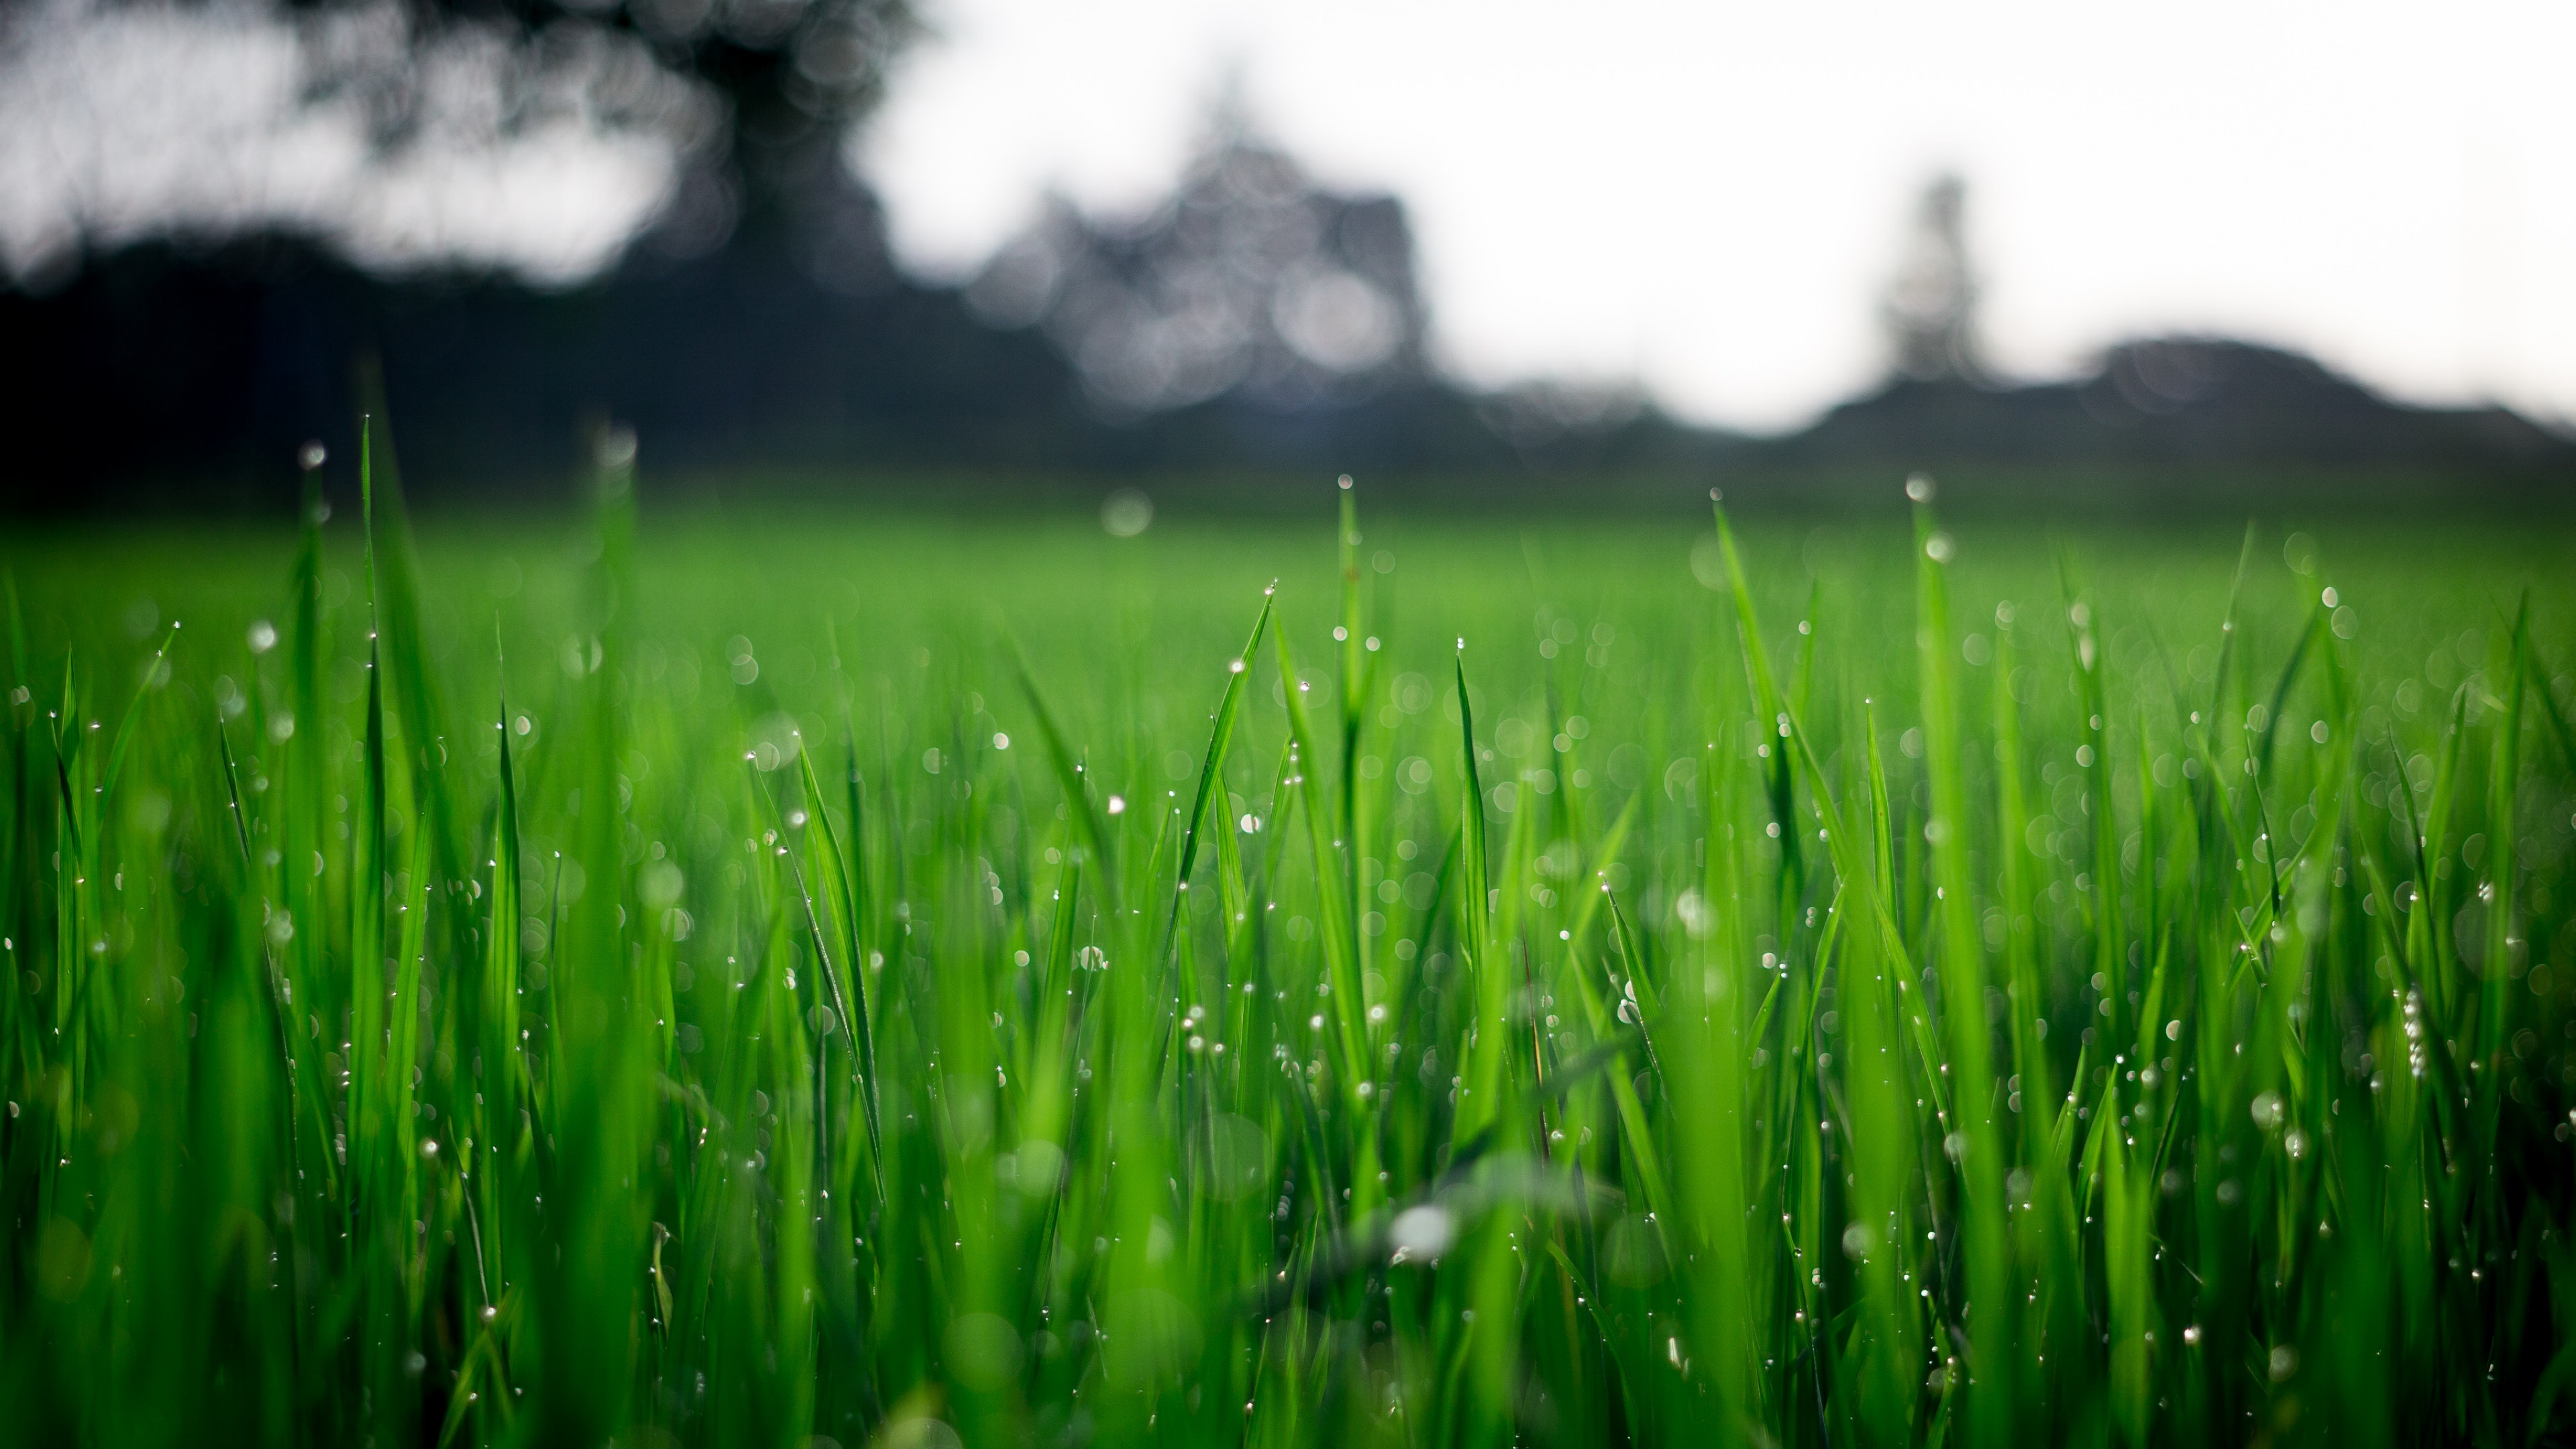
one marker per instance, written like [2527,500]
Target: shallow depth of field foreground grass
[833,981]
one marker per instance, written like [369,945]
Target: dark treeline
[175,375]
[1254,326]
[165,375]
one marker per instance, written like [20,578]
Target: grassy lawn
[813,977]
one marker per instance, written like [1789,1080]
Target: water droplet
[616,446]
[1126,513]
[2268,1111]
[1421,1234]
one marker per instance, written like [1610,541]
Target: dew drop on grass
[1126,513]
[1421,1234]
[2268,1111]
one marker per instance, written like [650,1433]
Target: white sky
[1706,196]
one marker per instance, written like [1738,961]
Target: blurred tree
[1250,281]
[1929,309]
[753,100]
[789,79]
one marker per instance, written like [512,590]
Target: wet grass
[877,980]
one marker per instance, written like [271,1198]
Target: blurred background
[2197,258]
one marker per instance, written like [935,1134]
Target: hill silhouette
[2170,400]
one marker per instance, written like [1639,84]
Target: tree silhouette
[755,98]
[1250,280]
[1929,310]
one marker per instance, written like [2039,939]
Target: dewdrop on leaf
[1421,1234]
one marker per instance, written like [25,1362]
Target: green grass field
[830,979]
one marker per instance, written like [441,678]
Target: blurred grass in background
[721,979]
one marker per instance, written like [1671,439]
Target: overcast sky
[1707,196]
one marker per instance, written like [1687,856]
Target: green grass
[889,980]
